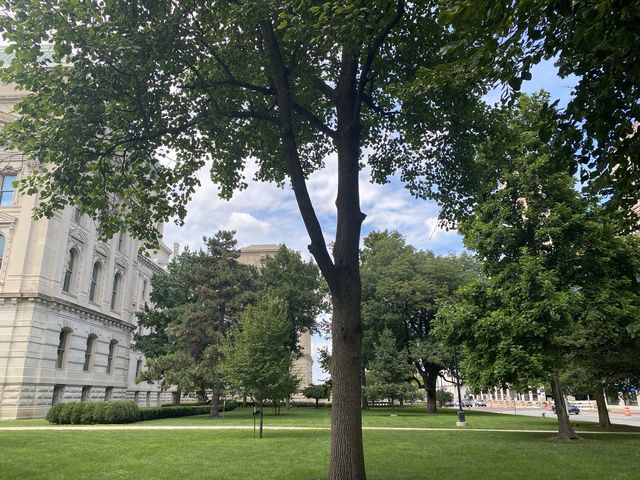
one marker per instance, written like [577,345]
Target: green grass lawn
[303,454]
[298,455]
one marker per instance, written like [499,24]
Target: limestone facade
[303,365]
[67,303]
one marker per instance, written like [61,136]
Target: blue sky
[264,213]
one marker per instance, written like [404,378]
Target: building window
[95,278]
[121,240]
[88,354]
[76,214]
[136,397]
[6,190]
[111,355]
[86,393]
[69,270]
[2,242]
[143,297]
[138,368]
[115,293]
[108,394]
[58,394]
[148,400]
[62,347]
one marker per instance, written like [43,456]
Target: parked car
[571,409]
[479,403]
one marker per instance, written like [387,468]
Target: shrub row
[116,411]
[152,413]
[303,404]
[121,411]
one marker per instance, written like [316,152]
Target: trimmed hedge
[116,411]
[153,413]
[121,411]
[173,411]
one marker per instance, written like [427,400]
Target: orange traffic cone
[627,411]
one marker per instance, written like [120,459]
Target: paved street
[589,416]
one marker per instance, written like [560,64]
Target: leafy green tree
[604,354]
[136,97]
[401,291]
[299,285]
[258,359]
[194,306]
[443,396]
[594,42]
[317,392]
[547,253]
[392,370]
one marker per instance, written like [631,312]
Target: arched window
[2,242]
[88,354]
[115,293]
[95,279]
[62,347]
[143,297]
[138,368]
[112,355]
[69,270]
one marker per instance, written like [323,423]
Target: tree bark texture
[430,379]
[347,459]
[565,430]
[603,414]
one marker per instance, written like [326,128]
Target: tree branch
[325,89]
[318,247]
[315,121]
[374,47]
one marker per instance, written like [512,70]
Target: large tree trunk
[603,414]
[177,396]
[342,273]
[430,379]
[347,458]
[565,430]
[215,400]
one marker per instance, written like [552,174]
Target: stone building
[302,366]
[67,303]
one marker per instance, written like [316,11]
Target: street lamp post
[461,418]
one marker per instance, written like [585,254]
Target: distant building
[67,302]
[255,255]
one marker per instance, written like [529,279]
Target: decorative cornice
[121,261]
[6,219]
[83,312]
[151,264]
[102,250]
[79,235]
